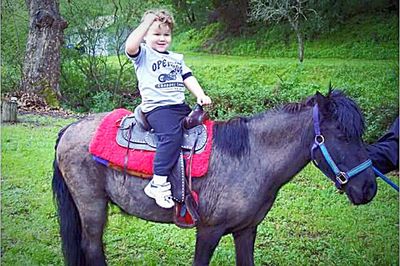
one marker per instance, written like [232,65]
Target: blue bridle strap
[328,158]
[359,168]
[341,176]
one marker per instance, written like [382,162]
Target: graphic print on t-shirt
[166,77]
[162,65]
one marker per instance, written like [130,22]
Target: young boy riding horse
[163,100]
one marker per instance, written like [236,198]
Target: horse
[252,158]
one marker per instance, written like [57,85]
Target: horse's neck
[286,137]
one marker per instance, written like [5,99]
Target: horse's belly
[128,194]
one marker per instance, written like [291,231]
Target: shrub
[103,101]
[85,77]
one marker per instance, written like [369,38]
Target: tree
[232,14]
[276,10]
[186,9]
[41,70]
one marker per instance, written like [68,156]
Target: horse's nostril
[369,190]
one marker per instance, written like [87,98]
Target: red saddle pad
[104,146]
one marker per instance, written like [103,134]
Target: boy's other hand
[204,100]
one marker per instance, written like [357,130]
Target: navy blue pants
[384,153]
[167,124]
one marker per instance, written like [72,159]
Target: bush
[10,78]
[86,80]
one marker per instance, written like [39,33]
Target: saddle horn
[195,118]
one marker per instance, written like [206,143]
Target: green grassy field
[310,223]
[246,84]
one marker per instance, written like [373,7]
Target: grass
[310,223]
[246,84]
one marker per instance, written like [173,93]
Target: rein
[342,177]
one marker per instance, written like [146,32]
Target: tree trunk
[296,27]
[301,46]
[41,70]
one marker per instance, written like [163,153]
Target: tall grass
[310,223]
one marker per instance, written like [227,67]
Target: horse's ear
[319,96]
[322,101]
[330,88]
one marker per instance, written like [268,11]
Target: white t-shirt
[160,77]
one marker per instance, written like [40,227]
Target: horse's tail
[68,216]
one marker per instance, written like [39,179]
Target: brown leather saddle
[135,132]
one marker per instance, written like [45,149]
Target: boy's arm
[194,87]
[135,38]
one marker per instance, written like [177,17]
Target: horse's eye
[342,137]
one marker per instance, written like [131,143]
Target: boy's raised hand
[150,18]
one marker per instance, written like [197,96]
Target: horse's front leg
[207,239]
[244,245]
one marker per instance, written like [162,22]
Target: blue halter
[341,177]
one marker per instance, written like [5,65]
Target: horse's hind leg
[207,239]
[82,211]
[87,188]
[244,245]
[93,220]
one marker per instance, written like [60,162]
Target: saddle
[135,132]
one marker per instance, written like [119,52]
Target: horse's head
[338,149]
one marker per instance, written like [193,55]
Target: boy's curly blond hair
[164,16]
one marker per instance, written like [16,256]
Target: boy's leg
[166,123]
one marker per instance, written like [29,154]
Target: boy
[162,76]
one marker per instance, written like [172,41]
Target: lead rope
[386,179]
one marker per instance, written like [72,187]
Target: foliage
[336,13]
[14,30]
[295,12]
[363,37]
[310,223]
[190,13]
[87,74]
[78,88]
[232,14]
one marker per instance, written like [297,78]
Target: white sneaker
[161,193]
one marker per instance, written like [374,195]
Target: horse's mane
[232,136]
[348,114]
[341,108]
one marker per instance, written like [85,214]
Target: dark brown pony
[252,158]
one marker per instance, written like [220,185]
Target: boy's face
[158,36]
